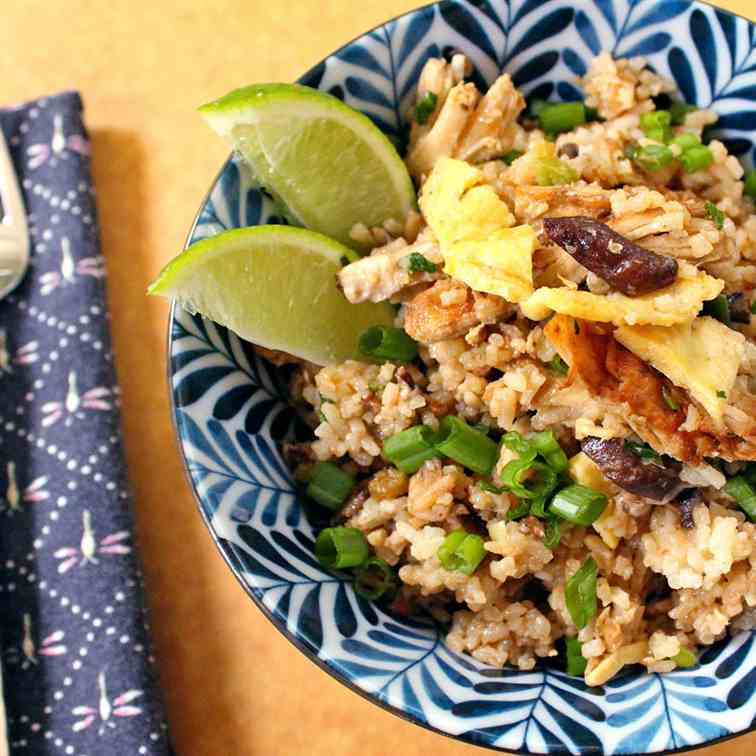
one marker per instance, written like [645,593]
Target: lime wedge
[274,286]
[326,163]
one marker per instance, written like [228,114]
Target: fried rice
[557,347]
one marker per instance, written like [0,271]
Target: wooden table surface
[233,685]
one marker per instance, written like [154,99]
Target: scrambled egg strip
[473,227]
[677,303]
[702,356]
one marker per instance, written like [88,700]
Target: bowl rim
[281,628]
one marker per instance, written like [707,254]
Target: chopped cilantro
[425,106]
[715,214]
[558,365]
[417,263]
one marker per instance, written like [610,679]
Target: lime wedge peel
[274,286]
[327,163]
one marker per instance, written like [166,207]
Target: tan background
[233,685]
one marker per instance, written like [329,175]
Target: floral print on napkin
[77,666]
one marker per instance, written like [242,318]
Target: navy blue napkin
[78,670]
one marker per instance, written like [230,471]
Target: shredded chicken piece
[463,124]
[492,129]
[439,76]
[382,274]
[532,202]
[441,140]
[449,309]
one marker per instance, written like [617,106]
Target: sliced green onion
[517,443]
[538,507]
[749,184]
[553,534]
[511,156]
[446,551]
[686,140]
[655,119]
[384,343]
[553,172]
[374,578]
[661,134]
[465,445]
[580,594]
[669,398]
[548,447]
[578,504]
[558,365]
[518,512]
[715,214]
[685,658]
[471,552]
[425,107]
[753,307]
[656,125]
[329,485]
[678,111]
[722,394]
[417,263]
[718,308]
[410,448]
[461,552]
[696,158]
[644,451]
[555,118]
[339,548]
[743,493]
[653,157]
[536,106]
[576,662]
[527,479]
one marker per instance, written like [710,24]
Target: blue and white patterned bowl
[230,406]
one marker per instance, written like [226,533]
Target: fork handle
[13,204]
[10,263]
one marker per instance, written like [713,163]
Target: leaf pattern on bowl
[231,413]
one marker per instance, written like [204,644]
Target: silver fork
[14,260]
[14,234]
